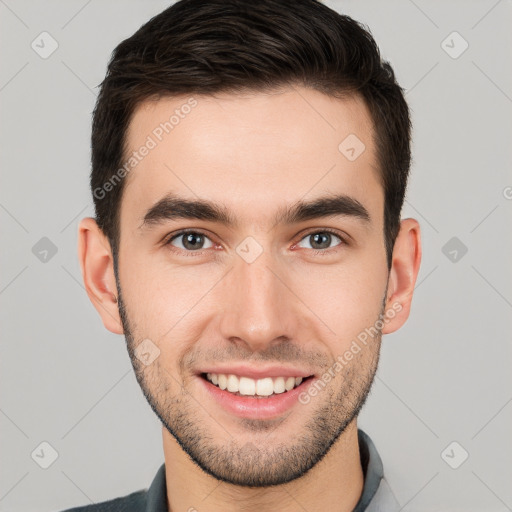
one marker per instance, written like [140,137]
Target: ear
[405,266]
[97,264]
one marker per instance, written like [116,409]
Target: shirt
[377,496]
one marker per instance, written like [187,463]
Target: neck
[335,483]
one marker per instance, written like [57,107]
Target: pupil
[322,239]
[193,240]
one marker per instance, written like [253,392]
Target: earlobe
[402,277]
[97,265]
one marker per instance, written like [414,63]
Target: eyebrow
[172,207]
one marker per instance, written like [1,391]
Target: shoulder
[153,499]
[134,502]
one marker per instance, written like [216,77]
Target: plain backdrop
[443,390]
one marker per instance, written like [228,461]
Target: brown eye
[191,241]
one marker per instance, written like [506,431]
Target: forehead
[250,152]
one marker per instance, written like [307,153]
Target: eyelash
[316,252]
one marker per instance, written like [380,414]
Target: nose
[260,308]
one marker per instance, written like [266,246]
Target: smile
[246,386]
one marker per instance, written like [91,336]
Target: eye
[320,240]
[190,241]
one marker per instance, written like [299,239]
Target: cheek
[348,298]
[160,297]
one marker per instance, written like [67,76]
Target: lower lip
[256,408]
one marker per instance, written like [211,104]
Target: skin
[253,154]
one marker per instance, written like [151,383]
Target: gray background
[444,377]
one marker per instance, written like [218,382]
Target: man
[249,165]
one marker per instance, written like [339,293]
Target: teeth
[279,386]
[251,387]
[233,384]
[247,386]
[290,383]
[264,387]
[223,381]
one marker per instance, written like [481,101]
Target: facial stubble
[263,461]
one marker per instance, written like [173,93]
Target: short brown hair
[211,46]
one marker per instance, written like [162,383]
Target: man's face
[265,293]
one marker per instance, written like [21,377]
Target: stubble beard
[264,462]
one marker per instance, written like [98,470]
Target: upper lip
[257,373]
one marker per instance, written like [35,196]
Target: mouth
[254,388]
[261,399]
